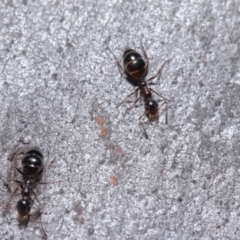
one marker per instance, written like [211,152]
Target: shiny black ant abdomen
[135,69]
[135,66]
[32,165]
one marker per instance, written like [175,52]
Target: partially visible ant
[135,69]
[31,171]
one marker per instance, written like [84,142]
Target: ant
[135,69]
[31,171]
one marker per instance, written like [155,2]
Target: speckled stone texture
[59,87]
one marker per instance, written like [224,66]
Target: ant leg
[167,100]
[14,164]
[19,171]
[128,109]
[6,183]
[42,228]
[36,198]
[49,182]
[158,74]
[141,125]
[37,216]
[13,157]
[17,181]
[127,97]
[145,55]
[117,62]
[8,204]
[166,118]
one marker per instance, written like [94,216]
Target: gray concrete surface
[59,87]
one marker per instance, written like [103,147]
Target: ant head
[24,206]
[151,107]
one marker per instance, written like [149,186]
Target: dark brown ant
[32,169]
[135,69]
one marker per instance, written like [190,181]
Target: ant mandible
[31,171]
[135,69]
